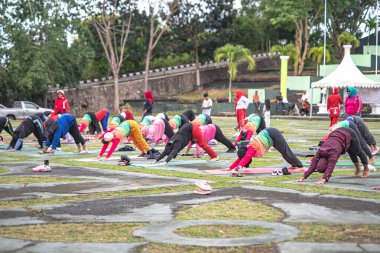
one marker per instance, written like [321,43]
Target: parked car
[2,106]
[22,109]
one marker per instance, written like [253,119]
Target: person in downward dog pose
[58,129]
[202,119]
[188,132]
[339,141]
[363,144]
[258,146]
[251,125]
[92,120]
[128,128]
[32,124]
[179,120]
[367,135]
[209,132]
[157,130]
[5,124]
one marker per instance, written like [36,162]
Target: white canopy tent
[347,74]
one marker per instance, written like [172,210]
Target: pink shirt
[208,132]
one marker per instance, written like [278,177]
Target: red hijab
[149,96]
[335,90]
[239,94]
[128,115]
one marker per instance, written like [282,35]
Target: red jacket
[334,99]
[61,106]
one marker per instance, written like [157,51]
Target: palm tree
[317,55]
[346,38]
[371,25]
[287,50]
[233,54]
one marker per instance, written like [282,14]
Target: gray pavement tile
[164,233]
[305,247]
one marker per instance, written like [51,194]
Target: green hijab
[352,90]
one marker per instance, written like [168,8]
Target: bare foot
[357,172]
[375,188]
[371,160]
[365,174]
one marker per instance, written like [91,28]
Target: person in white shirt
[305,97]
[241,105]
[206,105]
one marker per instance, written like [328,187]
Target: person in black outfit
[148,103]
[5,124]
[367,135]
[32,124]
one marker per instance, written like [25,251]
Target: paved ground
[342,201]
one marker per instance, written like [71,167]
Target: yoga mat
[112,158]
[251,171]
[61,153]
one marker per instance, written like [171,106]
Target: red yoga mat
[251,171]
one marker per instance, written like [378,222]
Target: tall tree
[234,54]
[34,47]
[346,15]
[157,28]
[300,15]
[370,25]
[112,21]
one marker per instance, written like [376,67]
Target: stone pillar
[284,75]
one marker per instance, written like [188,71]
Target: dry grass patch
[232,209]
[108,232]
[221,231]
[338,233]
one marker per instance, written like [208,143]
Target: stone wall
[93,98]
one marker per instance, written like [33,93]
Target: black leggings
[74,131]
[282,146]
[168,129]
[219,136]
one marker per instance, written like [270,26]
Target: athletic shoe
[203,185]
[59,149]
[42,168]
[275,172]
[371,167]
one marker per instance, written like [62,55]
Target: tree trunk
[147,61]
[306,47]
[197,70]
[116,87]
[337,49]
[298,45]
[229,91]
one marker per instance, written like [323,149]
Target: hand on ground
[321,181]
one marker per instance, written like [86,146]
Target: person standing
[256,100]
[353,104]
[206,105]
[148,104]
[266,111]
[61,105]
[241,106]
[333,102]
[323,95]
